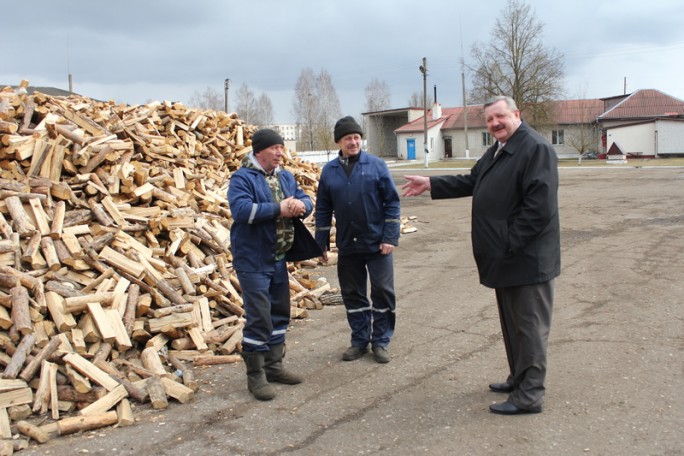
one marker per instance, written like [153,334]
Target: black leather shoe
[506,408]
[501,387]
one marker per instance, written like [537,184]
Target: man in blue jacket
[263,199]
[357,188]
[516,243]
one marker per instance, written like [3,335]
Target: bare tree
[377,99]
[264,109]
[516,63]
[584,138]
[304,106]
[209,99]
[316,108]
[252,110]
[246,104]
[377,96]
[328,110]
[416,100]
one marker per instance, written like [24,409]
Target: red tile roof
[645,104]
[570,112]
[642,104]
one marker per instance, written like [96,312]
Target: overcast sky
[136,51]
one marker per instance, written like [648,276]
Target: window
[557,137]
[487,139]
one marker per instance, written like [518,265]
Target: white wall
[436,152]
[635,139]
[669,137]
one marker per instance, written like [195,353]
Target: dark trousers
[525,314]
[370,321]
[266,300]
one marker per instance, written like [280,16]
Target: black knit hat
[346,125]
[265,138]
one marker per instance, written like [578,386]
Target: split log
[156,392]
[16,397]
[176,390]
[187,375]
[91,371]
[22,222]
[210,360]
[86,423]
[32,431]
[31,368]
[20,310]
[132,390]
[19,356]
[106,402]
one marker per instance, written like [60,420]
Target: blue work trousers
[371,322]
[266,300]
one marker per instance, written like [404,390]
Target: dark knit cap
[265,138]
[346,125]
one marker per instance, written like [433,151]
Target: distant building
[288,132]
[647,123]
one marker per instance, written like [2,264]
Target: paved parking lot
[616,352]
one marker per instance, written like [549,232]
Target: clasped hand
[291,207]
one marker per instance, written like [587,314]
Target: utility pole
[465,103]
[465,113]
[423,69]
[226,88]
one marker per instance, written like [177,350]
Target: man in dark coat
[357,190]
[264,198]
[516,243]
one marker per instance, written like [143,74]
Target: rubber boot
[275,372]
[256,377]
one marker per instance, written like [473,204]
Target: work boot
[353,353]
[256,377]
[275,372]
[381,355]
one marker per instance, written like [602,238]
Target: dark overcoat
[515,221]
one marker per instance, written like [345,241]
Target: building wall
[669,137]
[435,145]
[635,139]
[381,138]
[573,138]
[287,131]
[458,146]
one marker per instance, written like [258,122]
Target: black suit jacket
[515,220]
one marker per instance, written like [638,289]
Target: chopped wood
[16,397]
[19,357]
[86,423]
[176,390]
[32,431]
[5,426]
[210,360]
[20,310]
[157,393]
[115,237]
[91,371]
[106,402]
[124,413]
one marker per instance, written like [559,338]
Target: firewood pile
[115,267]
